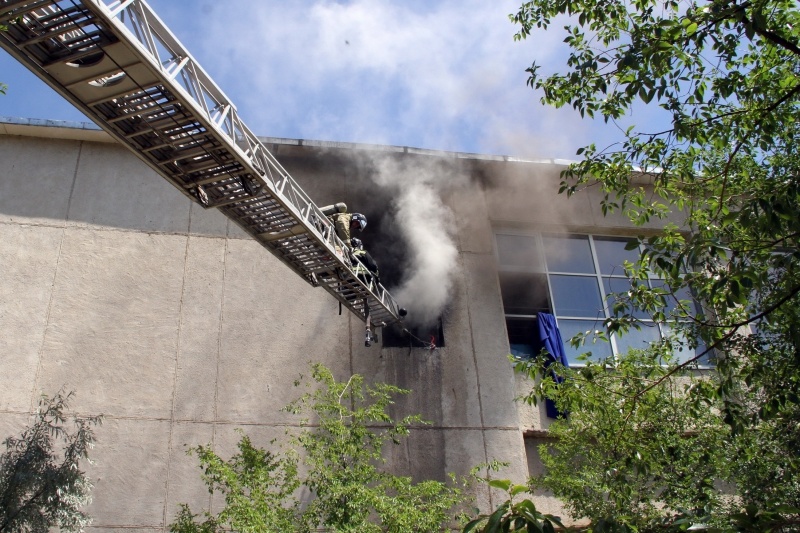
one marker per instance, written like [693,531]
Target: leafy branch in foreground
[258,488]
[41,484]
[647,449]
[721,162]
[346,428]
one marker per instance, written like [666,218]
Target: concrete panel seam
[479,254]
[74,225]
[219,352]
[273,424]
[192,206]
[34,224]
[239,423]
[74,180]
[477,374]
[350,341]
[175,371]
[125,528]
[53,282]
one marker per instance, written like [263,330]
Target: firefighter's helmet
[360,219]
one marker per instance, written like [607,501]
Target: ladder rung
[93,77]
[75,56]
[294,230]
[218,177]
[61,29]
[11,8]
[229,201]
[194,152]
[116,96]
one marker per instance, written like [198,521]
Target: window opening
[431,336]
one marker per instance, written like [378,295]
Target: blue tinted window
[519,251]
[576,296]
[568,254]
[611,255]
[619,286]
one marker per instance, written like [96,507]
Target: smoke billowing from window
[412,230]
[426,226]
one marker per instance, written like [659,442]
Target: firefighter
[346,223]
[365,268]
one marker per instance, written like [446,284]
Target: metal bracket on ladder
[119,64]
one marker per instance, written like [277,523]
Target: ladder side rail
[386,299]
[201,89]
[190,83]
[178,68]
[144,24]
[142,27]
[382,306]
[223,112]
[353,294]
[120,6]
[144,30]
[380,293]
[148,23]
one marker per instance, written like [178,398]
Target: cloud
[442,75]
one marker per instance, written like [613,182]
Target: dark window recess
[523,337]
[417,337]
[524,293]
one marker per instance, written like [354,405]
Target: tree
[346,427]
[258,487]
[41,484]
[342,451]
[642,463]
[724,74]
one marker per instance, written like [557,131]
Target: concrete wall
[179,329]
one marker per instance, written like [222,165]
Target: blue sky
[443,75]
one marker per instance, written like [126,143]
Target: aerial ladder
[120,65]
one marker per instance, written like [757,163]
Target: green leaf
[493,523]
[472,524]
[534,527]
[727,162]
[517,489]
[502,484]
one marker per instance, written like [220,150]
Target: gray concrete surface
[178,328]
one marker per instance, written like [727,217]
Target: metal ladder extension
[119,64]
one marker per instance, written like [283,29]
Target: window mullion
[551,300]
[604,296]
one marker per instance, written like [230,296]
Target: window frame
[599,277]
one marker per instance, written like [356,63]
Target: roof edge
[88,131]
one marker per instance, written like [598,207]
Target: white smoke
[427,226]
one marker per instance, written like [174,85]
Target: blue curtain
[550,339]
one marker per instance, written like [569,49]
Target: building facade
[179,328]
